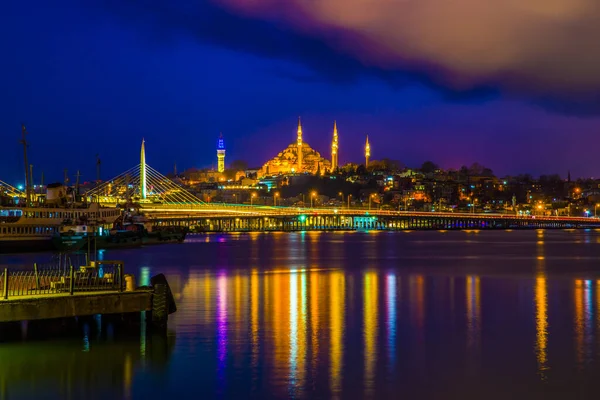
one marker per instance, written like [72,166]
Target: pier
[66,292]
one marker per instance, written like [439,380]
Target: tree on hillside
[347,169]
[487,172]
[239,165]
[464,172]
[476,169]
[361,170]
[429,167]
[376,165]
[524,178]
[392,165]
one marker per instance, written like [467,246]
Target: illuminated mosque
[300,158]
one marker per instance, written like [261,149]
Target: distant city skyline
[96,78]
[109,166]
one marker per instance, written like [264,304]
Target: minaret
[221,154]
[143,171]
[299,146]
[334,148]
[367,152]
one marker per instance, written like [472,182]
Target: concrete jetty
[64,305]
[46,293]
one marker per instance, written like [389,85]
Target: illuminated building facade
[367,152]
[221,154]
[298,157]
[334,148]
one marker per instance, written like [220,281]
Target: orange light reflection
[370,328]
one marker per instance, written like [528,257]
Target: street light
[596,209]
[342,197]
[275,195]
[312,196]
[252,198]
[349,197]
[370,197]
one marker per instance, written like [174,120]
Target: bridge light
[302,218]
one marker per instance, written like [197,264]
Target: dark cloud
[545,51]
[212,24]
[538,51]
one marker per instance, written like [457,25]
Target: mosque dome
[287,161]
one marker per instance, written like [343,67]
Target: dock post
[5,291]
[37,276]
[120,274]
[71,280]
[160,313]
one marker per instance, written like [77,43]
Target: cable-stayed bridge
[10,191]
[153,189]
[144,185]
[157,194]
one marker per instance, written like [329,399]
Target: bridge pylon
[142,184]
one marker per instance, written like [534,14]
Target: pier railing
[50,280]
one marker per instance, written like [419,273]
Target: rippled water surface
[416,315]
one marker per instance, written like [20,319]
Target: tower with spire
[334,148]
[143,170]
[367,152]
[299,143]
[221,154]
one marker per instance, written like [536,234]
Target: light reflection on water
[474,322]
[370,330]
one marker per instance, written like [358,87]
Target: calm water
[418,315]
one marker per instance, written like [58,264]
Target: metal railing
[102,276]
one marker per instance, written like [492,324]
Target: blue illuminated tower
[221,154]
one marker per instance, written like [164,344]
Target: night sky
[512,85]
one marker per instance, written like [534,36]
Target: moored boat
[25,228]
[70,237]
[29,220]
[129,230]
